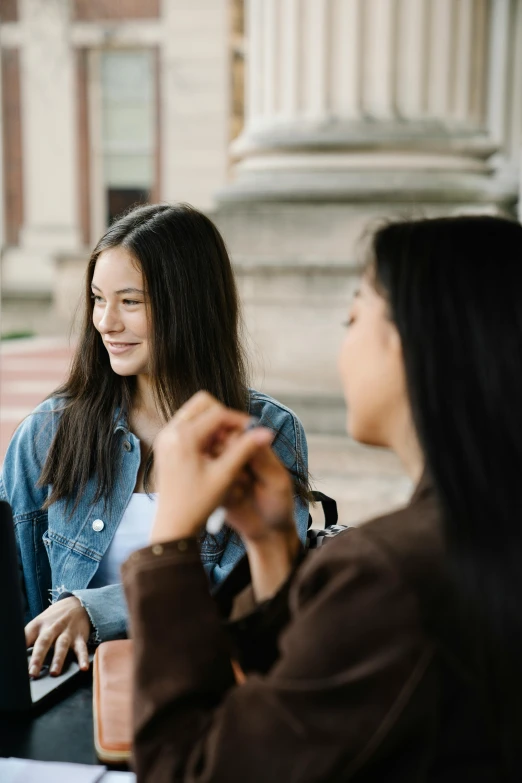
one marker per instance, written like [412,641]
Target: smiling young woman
[161,322]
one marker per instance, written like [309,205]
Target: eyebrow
[123,290]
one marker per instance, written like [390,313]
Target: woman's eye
[131,302]
[96,298]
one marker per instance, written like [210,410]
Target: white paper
[29,771]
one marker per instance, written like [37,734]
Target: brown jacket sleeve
[350,659]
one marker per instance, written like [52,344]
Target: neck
[144,400]
[408,450]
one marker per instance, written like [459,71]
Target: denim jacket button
[126,445]
[98,525]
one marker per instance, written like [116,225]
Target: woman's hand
[198,456]
[260,504]
[260,508]
[66,625]
[205,458]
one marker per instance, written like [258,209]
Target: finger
[265,465]
[41,647]
[32,630]
[210,425]
[61,648]
[214,421]
[198,403]
[241,451]
[82,653]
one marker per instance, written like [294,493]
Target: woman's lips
[119,348]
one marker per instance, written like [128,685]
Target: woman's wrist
[169,526]
[271,561]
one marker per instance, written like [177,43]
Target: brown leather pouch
[112,701]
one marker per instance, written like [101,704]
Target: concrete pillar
[355,110]
[194,100]
[49,147]
[367,98]
[2,191]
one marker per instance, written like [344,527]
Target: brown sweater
[346,682]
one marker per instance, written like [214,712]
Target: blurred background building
[293,123]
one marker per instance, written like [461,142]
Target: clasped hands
[205,458]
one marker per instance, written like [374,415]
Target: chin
[362,432]
[123,369]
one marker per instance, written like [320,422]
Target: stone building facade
[294,123]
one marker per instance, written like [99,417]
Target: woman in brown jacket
[393,653]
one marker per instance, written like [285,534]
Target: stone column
[355,110]
[49,147]
[194,100]
[2,191]
[361,99]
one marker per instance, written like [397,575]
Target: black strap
[329,509]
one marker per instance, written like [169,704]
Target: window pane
[128,132]
[127,125]
[129,171]
[127,76]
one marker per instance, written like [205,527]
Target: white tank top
[133,533]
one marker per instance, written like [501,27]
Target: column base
[27,272]
[367,178]
[30,268]
[367,161]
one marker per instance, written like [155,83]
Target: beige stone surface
[364,481]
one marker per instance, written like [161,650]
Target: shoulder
[290,442]
[46,412]
[37,430]
[26,455]
[273,414]
[267,409]
[403,548]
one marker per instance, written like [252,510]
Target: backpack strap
[329,509]
[316,538]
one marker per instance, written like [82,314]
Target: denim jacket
[60,554]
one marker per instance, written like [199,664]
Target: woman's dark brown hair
[453,286]
[195,325]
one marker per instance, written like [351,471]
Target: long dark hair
[196,344]
[454,288]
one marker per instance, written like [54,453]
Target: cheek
[362,366]
[96,319]
[141,328]
[136,324]
[352,369]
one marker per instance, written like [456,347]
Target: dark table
[63,732]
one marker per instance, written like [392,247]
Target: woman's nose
[110,321]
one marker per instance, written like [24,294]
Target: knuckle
[61,647]
[45,638]
[202,396]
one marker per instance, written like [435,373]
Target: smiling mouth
[118,348]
